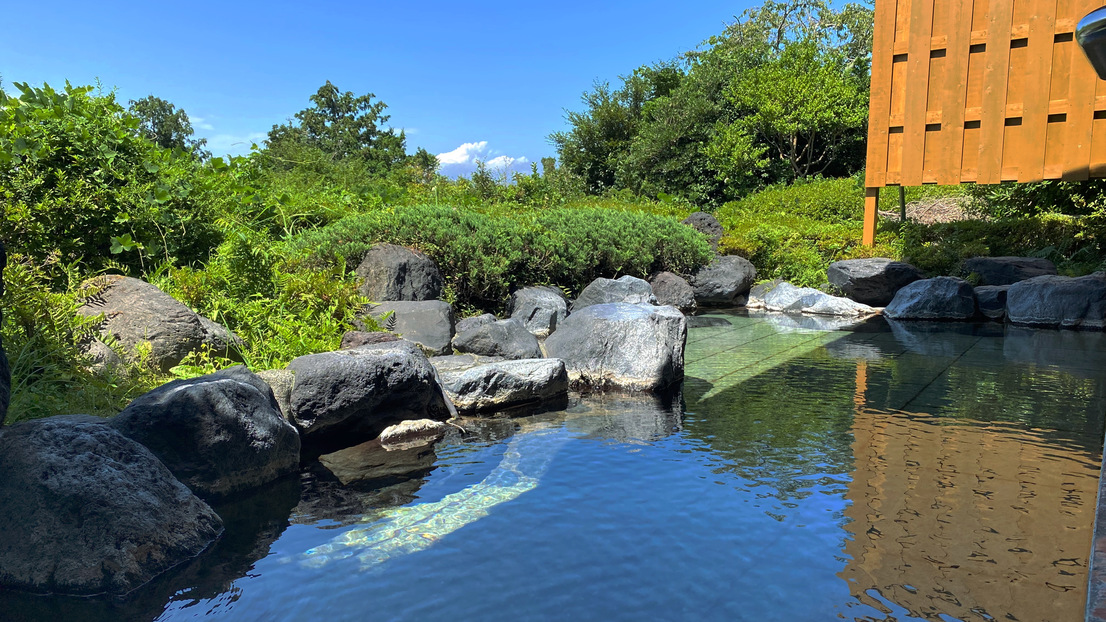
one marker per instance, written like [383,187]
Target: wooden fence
[981,91]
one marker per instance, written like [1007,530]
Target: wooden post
[871,203]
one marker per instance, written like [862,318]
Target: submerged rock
[391,272]
[940,298]
[673,290]
[626,288]
[501,385]
[1059,301]
[506,338]
[634,347]
[1007,270]
[136,312]
[372,462]
[412,432]
[540,309]
[428,323]
[724,282]
[349,396]
[87,510]
[872,281]
[219,434]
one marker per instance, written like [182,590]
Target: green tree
[165,124]
[802,108]
[600,137]
[341,126]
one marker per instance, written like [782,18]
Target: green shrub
[484,255]
[795,231]
[1073,243]
[76,176]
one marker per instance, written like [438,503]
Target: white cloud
[233,144]
[462,160]
[200,123]
[464,154]
[504,162]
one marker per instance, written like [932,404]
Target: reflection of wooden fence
[981,91]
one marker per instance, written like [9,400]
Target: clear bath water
[879,472]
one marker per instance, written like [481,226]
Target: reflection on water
[884,472]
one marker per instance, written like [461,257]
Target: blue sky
[464,79]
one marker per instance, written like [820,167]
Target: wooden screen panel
[982,91]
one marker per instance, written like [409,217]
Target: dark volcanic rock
[507,338]
[992,300]
[872,281]
[428,323]
[219,434]
[472,323]
[391,272]
[500,385]
[1007,270]
[358,338]
[634,347]
[626,288]
[940,298]
[724,281]
[539,308]
[1059,301]
[87,510]
[707,225]
[673,290]
[136,312]
[346,397]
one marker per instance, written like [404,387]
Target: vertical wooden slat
[1038,81]
[995,74]
[879,107]
[1083,83]
[871,207]
[954,93]
[917,62]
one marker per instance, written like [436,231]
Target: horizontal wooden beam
[1013,111]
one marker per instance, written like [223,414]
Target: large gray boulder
[5,371]
[136,312]
[1007,270]
[503,384]
[539,308]
[940,298]
[992,300]
[788,298]
[391,272]
[86,510]
[1059,301]
[629,289]
[872,281]
[506,338]
[349,396]
[724,281]
[472,323]
[707,225]
[219,434]
[620,345]
[673,290]
[358,338]
[428,323]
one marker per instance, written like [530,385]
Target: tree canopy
[779,95]
[166,125]
[341,126]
